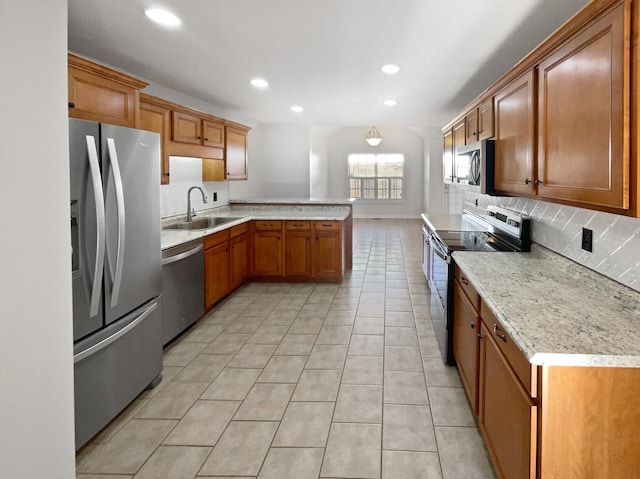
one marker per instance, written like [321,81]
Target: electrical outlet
[215,196]
[587,240]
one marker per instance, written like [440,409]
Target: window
[376,177]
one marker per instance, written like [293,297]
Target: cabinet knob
[206,139]
[527,181]
[473,325]
[72,105]
[538,181]
[475,133]
[500,335]
[464,281]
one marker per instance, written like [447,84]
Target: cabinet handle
[72,105]
[538,181]
[475,133]
[479,336]
[500,335]
[464,281]
[206,139]
[473,325]
[527,181]
[327,226]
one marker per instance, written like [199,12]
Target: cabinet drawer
[216,239]
[267,225]
[327,225]
[526,372]
[238,230]
[298,225]
[468,288]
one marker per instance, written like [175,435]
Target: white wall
[349,140]
[36,363]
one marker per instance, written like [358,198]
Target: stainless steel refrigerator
[116,264]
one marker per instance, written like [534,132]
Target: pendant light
[373,137]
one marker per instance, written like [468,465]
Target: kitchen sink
[201,224]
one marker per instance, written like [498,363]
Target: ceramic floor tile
[172,462]
[399,318]
[181,354]
[280,317]
[449,407]
[462,453]
[265,402]
[411,465]
[173,401]
[244,324]
[232,384]
[295,345]
[400,336]
[103,476]
[317,385]
[340,318]
[402,358]
[203,424]
[334,335]
[168,373]
[368,326]
[429,347]
[424,328]
[371,310]
[268,334]
[405,387]
[283,369]
[437,373]
[129,448]
[408,428]
[358,403]
[314,310]
[203,333]
[353,450]
[366,345]
[204,367]
[347,292]
[241,449]
[310,325]
[327,357]
[292,463]
[363,370]
[397,293]
[373,287]
[398,304]
[252,356]
[305,424]
[115,425]
[226,343]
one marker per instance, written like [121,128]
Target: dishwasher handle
[181,256]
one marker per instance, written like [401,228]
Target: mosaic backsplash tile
[616,239]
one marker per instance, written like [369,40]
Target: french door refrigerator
[116,269]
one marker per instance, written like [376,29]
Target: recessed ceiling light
[260,83]
[297,109]
[163,17]
[390,69]
[390,102]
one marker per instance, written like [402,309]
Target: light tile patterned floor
[306,381]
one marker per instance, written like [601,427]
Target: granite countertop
[244,213]
[440,222]
[558,312]
[294,201]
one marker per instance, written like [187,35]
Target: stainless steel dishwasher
[182,288]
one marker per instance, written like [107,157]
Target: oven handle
[440,250]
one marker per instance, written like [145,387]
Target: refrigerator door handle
[117,177]
[96,179]
[114,337]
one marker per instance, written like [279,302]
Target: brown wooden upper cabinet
[583,104]
[186,128]
[485,119]
[447,156]
[236,152]
[471,126]
[514,133]
[101,94]
[157,118]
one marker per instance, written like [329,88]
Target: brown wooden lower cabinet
[297,245]
[327,250]
[267,249]
[216,267]
[238,255]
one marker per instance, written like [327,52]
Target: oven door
[441,283]
[426,252]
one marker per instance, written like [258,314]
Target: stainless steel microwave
[474,165]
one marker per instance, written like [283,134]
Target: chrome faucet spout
[204,200]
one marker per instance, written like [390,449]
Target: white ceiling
[324,55]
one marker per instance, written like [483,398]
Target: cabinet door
[327,250]
[466,327]
[267,253]
[236,153]
[186,128]
[157,119]
[213,134]
[514,134]
[297,258]
[238,256]
[447,157]
[583,137]
[485,120]
[471,126]
[508,417]
[216,273]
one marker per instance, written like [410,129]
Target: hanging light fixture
[373,137]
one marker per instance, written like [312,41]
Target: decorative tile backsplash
[616,239]
[185,173]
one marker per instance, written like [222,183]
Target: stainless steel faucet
[204,199]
